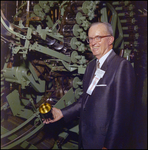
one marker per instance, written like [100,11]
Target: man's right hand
[57,115]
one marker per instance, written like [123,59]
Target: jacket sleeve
[124,91]
[72,111]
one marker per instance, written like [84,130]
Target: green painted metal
[114,18]
[78,92]
[85,6]
[74,57]
[68,62]
[23,145]
[65,100]
[38,11]
[119,40]
[23,138]
[77,30]
[76,82]
[80,18]
[15,103]
[20,126]
[20,75]
[17,34]
[49,22]
[49,51]
[26,144]
[74,43]
[104,17]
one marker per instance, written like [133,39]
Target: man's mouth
[95,48]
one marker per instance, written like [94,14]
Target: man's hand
[104,148]
[57,115]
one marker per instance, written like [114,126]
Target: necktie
[98,64]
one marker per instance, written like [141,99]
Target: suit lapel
[107,61]
[92,72]
[104,67]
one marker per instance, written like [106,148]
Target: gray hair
[108,26]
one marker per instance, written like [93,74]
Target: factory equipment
[44,57]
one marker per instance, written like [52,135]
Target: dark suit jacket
[106,114]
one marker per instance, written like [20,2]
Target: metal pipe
[16,7]
[20,126]
[27,14]
[24,137]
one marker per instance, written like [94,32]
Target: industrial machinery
[44,57]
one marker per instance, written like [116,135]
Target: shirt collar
[103,58]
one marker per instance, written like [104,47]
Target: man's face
[100,48]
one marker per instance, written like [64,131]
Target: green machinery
[44,57]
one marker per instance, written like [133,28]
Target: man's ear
[111,40]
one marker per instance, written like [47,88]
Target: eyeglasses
[97,38]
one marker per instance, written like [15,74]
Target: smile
[95,48]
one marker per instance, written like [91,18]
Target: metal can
[45,110]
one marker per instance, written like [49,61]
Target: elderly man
[106,105]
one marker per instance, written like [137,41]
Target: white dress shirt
[103,58]
[98,73]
